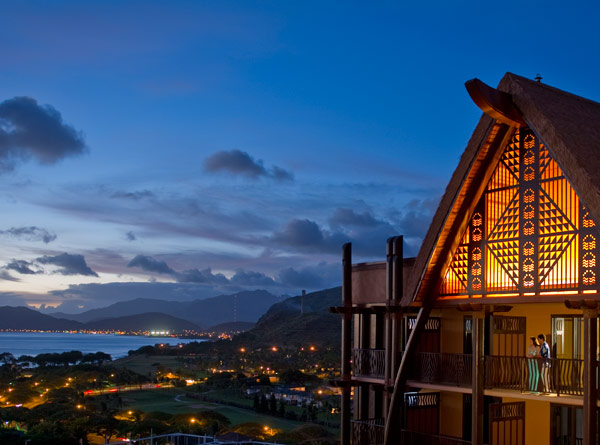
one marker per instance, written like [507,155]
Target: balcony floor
[512,393]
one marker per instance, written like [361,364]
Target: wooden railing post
[478,378]
[590,384]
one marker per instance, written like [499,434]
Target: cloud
[415,218]
[31,233]
[201,276]
[21,266]
[151,265]
[319,276]
[343,217]
[11,299]
[68,264]
[367,234]
[28,130]
[241,163]
[307,236]
[135,196]
[4,275]
[249,278]
[301,233]
[130,236]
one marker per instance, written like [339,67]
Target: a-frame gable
[530,234]
[490,182]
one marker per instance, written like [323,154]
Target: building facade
[441,348]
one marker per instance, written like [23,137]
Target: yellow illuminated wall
[529,234]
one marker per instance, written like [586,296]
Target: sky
[187,149]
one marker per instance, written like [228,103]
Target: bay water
[34,343]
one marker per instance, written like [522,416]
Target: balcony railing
[557,376]
[412,437]
[443,368]
[368,363]
[368,432]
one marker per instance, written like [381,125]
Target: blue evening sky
[185,149]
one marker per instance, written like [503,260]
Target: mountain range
[148,314]
[243,306]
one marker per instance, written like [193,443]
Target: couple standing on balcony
[539,349]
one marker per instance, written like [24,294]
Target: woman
[533,353]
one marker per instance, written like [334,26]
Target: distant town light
[274,348]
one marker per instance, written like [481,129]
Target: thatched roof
[568,125]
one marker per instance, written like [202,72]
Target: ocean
[34,343]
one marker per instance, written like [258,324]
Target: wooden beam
[346,341]
[494,103]
[590,384]
[394,302]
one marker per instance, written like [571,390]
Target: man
[545,356]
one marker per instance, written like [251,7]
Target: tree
[105,425]
[272,404]
[264,406]
[281,410]
[6,358]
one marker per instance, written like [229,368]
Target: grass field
[173,400]
[147,365]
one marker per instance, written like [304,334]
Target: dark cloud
[28,130]
[31,233]
[22,267]
[367,234]
[280,174]
[5,275]
[68,264]
[348,217]
[319,276]
[307,236]
[130,236]
[249,278]
[241,163]
[151,265]
[201,276]
[414,219]
[136,196]
[301,233]
[11,299]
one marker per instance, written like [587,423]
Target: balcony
[526,375]
[368,363]
[442,368]
[368,432]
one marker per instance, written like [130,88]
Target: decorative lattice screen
[529,235]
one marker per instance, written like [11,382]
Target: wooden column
[394,292]
[397,293]
[346,341]
[590,384]
[389,291]
[478,377]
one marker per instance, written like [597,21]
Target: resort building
[438,349]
